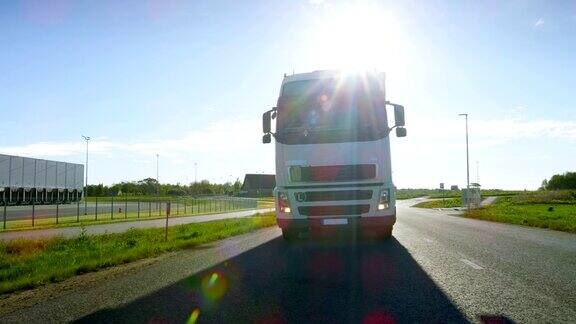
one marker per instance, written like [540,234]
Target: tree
[150,186]
[561,181]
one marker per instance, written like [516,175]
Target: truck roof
[323,74]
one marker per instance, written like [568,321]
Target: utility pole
[467,164]
[87,139]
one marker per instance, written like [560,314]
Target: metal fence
[106,209]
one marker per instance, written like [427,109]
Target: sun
[356,37]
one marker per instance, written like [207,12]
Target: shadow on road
[309,282]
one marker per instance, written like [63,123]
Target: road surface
[437,268]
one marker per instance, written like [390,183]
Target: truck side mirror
[266,122]
[266,138]
[400,132]
[399,115]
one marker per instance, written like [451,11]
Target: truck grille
[309,196]
[329,173]
[333,210]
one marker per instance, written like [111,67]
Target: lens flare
[213,279]
[193,317]
[214,286]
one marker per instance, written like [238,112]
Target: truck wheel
[385,233]
[289,235]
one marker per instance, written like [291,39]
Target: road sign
[441,185]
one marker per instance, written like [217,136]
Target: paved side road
[124,226]
[488,201]
[437,268]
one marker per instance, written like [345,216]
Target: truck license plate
[335,221]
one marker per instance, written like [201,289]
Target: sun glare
[356,38]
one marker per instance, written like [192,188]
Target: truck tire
[386,233]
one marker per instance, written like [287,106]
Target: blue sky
[189,80]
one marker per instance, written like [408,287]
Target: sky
[189,81]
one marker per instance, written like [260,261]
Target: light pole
[467,164]
[87,139]
[195,172]
[477,172]
[157,179]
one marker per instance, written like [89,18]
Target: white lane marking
[428,240]
[472,264]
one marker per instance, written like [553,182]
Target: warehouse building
[26,180]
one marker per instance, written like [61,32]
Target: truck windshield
[331,111]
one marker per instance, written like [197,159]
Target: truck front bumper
[363,223]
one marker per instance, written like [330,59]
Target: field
[437,193]
[266,202]
[555,210]
[25,264]
[412,193]
[440,203]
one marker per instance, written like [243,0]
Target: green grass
[440,203]
[522,210]
[26,264]
[412,193]
[266,202]
[546,197]
[485,193]
[437,193]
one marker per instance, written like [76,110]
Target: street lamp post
[467,164]
[87,139]
[157,179]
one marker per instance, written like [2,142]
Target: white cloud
[539,23]
[510,128]
[222,137]
[228,149]
[227,138]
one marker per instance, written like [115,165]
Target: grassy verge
[557,215]
[266,202]
[437,193]
[26,264]
[440,203]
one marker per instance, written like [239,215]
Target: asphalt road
[437,268]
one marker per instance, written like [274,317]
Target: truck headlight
[283,202]
[384,201]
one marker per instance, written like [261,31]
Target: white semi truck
[333,166]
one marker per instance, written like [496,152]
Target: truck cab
[333,166]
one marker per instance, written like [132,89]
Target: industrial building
[27,180]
